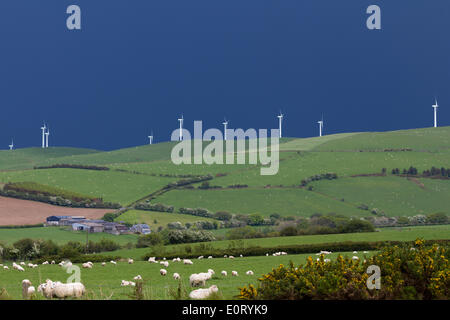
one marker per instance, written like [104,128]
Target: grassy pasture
[394,195]
[162,218]
[384,234]
[287,202]
[60,235]
[104,282]
[112,186]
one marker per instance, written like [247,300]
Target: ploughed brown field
[23,212]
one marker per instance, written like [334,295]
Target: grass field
[60,235]
[286,202]
[156,219]
[396,196]
[104,282]
[112,186]
[384,234]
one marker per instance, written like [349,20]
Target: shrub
[422,273]
[437,218]
[152,239]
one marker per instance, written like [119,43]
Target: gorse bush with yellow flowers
[418,272]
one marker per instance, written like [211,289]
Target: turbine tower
[150,138]
[280,120]
[320,122]
[43,135]
[181,127]
[435,106]
[46,137]
[225,124]
[11,146]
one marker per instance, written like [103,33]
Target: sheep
[203,293]
[27,289]
[22,263]
[187,261]
[87,265]
[241,256]
[113,262]
[231,257]
[164,258]
[355,251]
[103,264]
[17,267]
[5,267]
[249,273]
[152,260]
[283,253]
[199,279]
[327,260]
[234,273]
[30,265]
[163,272]
[130,261]
[267,254]
[176,276]
[128,283]
[366,252]
[53,262]
[164,263]
[138,277]
[51,289]
[224,273]
[210,257]
[355,258]
[225,256]
[201,257]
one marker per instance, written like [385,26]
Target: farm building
[140,228]
[60,220]
[115,228]
[88,226]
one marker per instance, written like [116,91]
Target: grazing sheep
[327,260]
[283,253]
[176,276]
[138,277]
[267,254]
[211,271]
[45,262]
[128,283]
[113,262]
[224,273]
[225,256]
[53,262]
[199,279]
[366,252]
[163,272]
[355,251]
[17,267]
[6,267]
[210,257]
[249,273]
[187,261]
[164,263]
[355,258]
[152,260]
[241,256]
[30,265]
[103,264]
[51,289]
[87,265]
[164,258]
[231,257]
[201,257]
[130,261]
[27,289]
[203,293]
[234,273]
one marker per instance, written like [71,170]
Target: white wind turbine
[11,146]
[225,124]
[435,106]
[320,122]
[280,120]
[46,137]
[150,137]
[43,135]
[181,127]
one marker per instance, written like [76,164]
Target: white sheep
[224,273]
[355,258]
[163,272]
[138,277]
[87,265]
[53,262]
[201,257]
[241,256]
[130,261]
[355,251]
[176,276]
[231,257]
[164,263]
[187,261]
[27,289]
[210,257]
[225,256]
[249,273]
[45,262]
[103,264]
[113,262]
[199,279]
[51,289]
[327,260]
[128,283]
[211,271]
[5,267]
[234,273]
[203,293]
[22,263]
[366,252]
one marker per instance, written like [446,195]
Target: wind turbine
[435,106]
[11,146]
[280,120]
[151,138]
[181,127]
[320,122]
[43,135]
[225,124]
[46,137]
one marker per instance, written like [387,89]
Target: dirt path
[23,212]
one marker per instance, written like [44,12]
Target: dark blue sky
[136,65]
